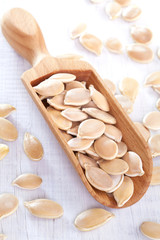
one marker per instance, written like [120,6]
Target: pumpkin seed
[123,3]
[151,230]
[114,45]
[44,208]
[91,129]
[131,13]
[154,144]
[125,102]
[106,148]
[135,164]
[78,144]
[77,97]
[73,131]
[91,43]
[8,131]
[153,79]
[91,152]
[143,130]
[99,114]
[4,149]
[3,237]
[6,110]
[117,181]
[8,204]
[113,133]
[122,149]
[66,136]
[91,104]
[78,30]
[98,178]
[74,114]
[156,88]
[58,102]
[92,218]
[27,181]
[114,167]
[111,86]
[140,53]
[124,192]
[49,87]
[74,84]
[84,160]
[32,147]
[129,87]
[98,99]
[141,34]
[61,122]
[158,104]
[155,180]
[63,77]
[70,56]
[113,10]
[41,97]
[152,120]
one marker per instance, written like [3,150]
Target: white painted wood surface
[60,181]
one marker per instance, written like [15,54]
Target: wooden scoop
[24,35]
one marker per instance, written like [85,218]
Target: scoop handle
[24,35]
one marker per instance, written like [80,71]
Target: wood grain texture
[30,44]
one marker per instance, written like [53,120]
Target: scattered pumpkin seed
[63,77]
[158,104]
[78,30]
[70,56]
[141,34]
[78,144]
[131,13]
[6,110]
[151,230]
[4,149]
[153,79]
[99,114]
[114,167]
[152,120]
[140,53]
[114,45]
[44,208]
[155,180]
[98,178]
[32,147]
[117,181]
[74,114]
[154,144]
[3,237]
[113,133]
[92,219]
[84,160]
[129,87]
[74,84]
[91,104]
[8,204]
[113,10]
[8,131]
[111,86]
[122,149]
[77,97]
[125,102]
[73,131]
[27,181]
[156,88]
[143,130]
[91,43]
[91,129]
[123,3]
[124,192]
[106,148]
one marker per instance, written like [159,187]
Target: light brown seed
[122,149]
[49,87]
[141,34]
[156,88]
[135,164]
[114,45]
[8,131]
[91,152]
[151,230]
[131,13]
[44,208]
[125,102]
[58,102]
[114,167]
[140,53]
[155,180]
[106,148]
[3,237]
[113,10]
[27,181]
[70,56]
[113,133]
[78,144]
[84,160]
[111,86]
[91,104]
[74,114]
[66,136]
[99,114]
[61,122]
[6,110]
[158,104]
[73,131]
[117,181]
[74,84]
[91,129]
[152,120]
[8,204]
[123,3]
[143,130]
[98,178]
[98,99]
[78,30]
[77,97]
[124,192]
[91,43]
[129,87]
[153,79]
[4,149]
[63,77]
[92,218]
[154,144]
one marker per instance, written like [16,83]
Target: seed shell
[152,120]
[117,181]
[74,114]
[63,77]
[131,13]
[151,230]
[4,149]
[113,10]
[122,149]
[113,133]
[123,3]
[125,102]
[27,181]
[85,160]
[78,30]
[153,79]
[141,34]
[155,176]
[78,144]
[111,86]
[77,97]
[129,87]
[154,144]
[8,204]
[91,43]
[74,84]
[6,110]
[8,131]
[114,167]
[143,130]
[58,102]
[114,45]
[99,114]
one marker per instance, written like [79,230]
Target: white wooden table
[60,181]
